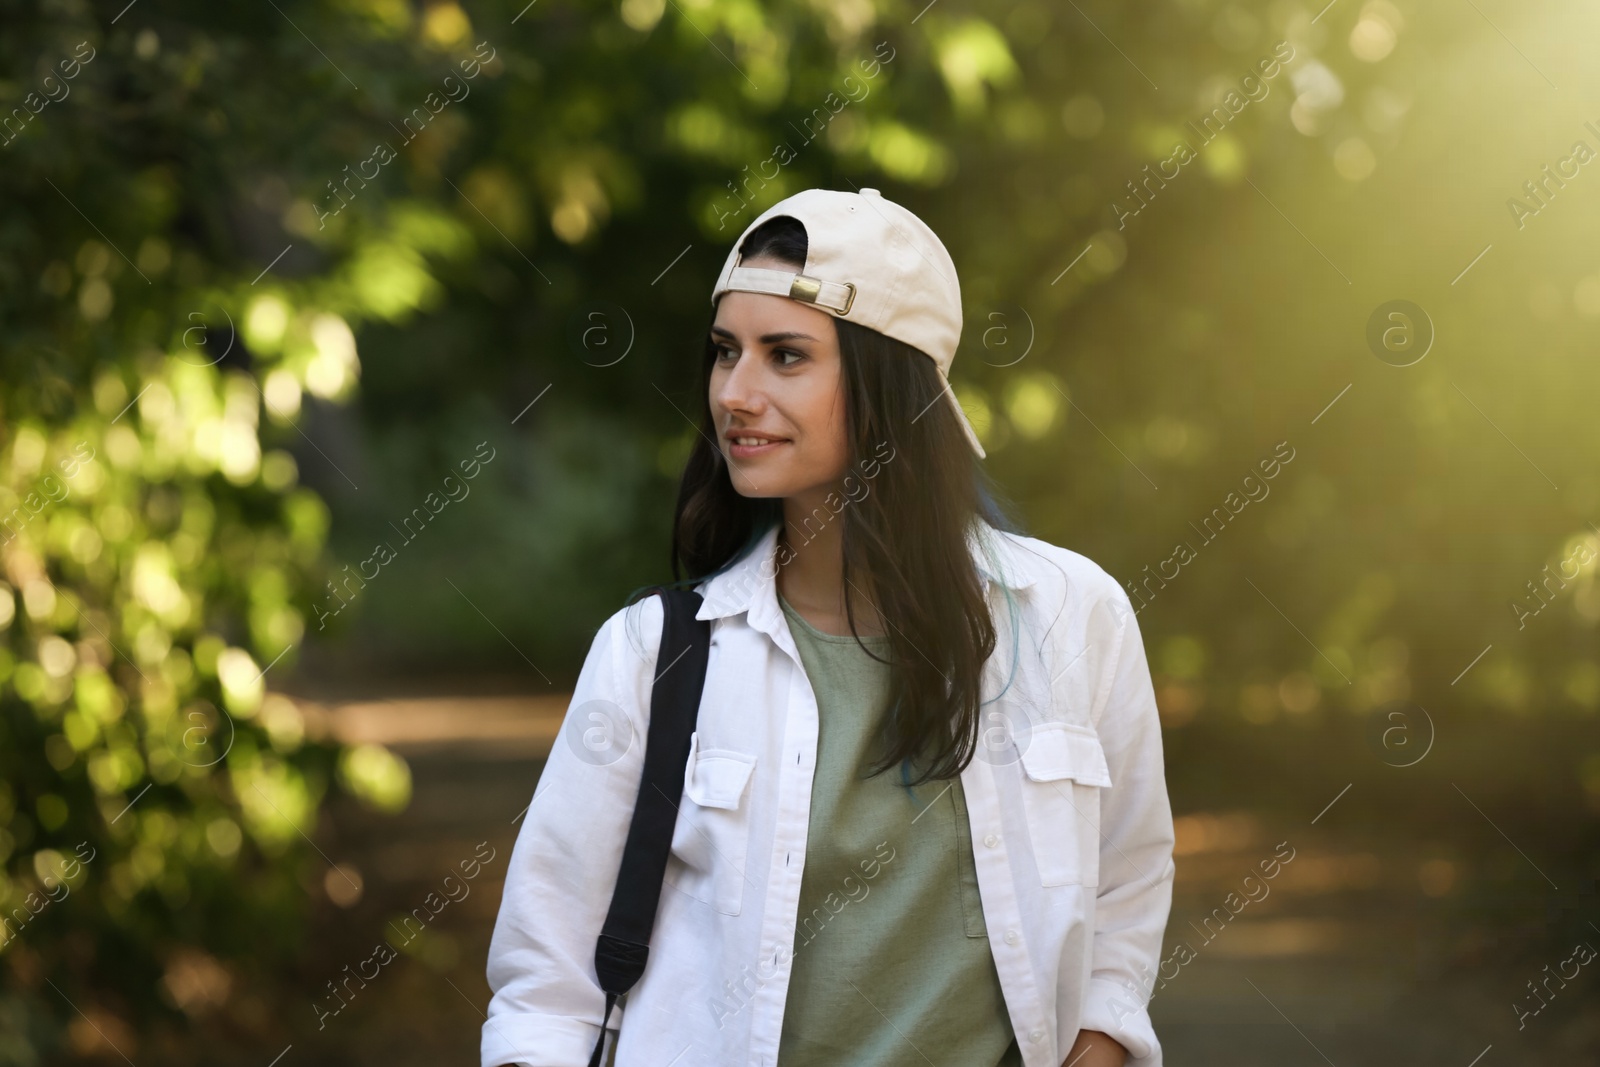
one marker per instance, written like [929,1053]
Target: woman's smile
[741,446]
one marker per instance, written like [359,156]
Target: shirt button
[991,840]
[1011,937]
[1035,1035]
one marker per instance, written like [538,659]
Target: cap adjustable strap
[837,296]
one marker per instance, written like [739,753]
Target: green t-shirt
[891,966]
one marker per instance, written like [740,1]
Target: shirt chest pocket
[1065,770]
[711,838]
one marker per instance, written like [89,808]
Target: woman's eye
[725,352]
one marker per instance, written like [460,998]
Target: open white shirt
[1071,829]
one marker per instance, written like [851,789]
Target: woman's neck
[812,580]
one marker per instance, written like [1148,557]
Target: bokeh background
[282,282]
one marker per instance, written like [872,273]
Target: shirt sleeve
[1136,870]
[546,1004]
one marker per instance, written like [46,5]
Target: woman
[924,817]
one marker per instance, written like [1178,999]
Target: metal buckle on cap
[810,289]
[804,288]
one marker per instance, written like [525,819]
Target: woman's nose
[739,388]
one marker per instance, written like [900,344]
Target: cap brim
[966,425]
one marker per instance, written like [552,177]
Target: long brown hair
[908,532]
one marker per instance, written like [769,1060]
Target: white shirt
[1071,829]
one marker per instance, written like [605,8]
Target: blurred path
[1346,956]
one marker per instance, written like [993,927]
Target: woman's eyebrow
[766,338]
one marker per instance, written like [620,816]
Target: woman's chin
[764,490]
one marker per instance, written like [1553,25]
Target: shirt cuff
[1120,1012]
[534,1040]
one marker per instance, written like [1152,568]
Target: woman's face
[777,376]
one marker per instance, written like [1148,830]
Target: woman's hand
[1094,1049]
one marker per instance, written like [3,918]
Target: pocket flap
[1065,750]
[717,776]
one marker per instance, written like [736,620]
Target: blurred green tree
[219,200]
[212,208]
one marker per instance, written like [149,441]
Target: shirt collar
[750,583]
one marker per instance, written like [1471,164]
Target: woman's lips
[739,451]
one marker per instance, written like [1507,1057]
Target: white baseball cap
[871,262]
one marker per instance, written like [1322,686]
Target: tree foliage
[515,212]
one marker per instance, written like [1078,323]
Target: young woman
[924,818]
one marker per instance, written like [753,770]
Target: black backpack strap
[624,944]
